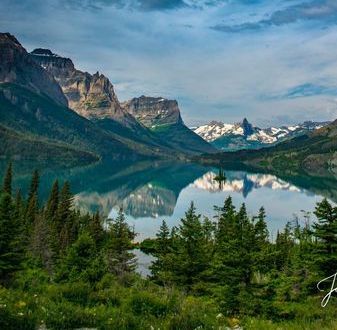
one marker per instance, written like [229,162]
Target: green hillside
[314,152]
[18,146]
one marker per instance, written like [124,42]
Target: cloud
[325,10]
[302,91]
[146,5]
[144,50]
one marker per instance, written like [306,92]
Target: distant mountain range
[233,137]
[314,153]
[51,110]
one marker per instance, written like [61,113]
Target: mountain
[93,97]
[33,105]
[232,137]
[17,67]
[314,152]
[163,118]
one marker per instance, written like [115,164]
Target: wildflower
[20,314]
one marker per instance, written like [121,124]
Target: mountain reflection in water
[150,191]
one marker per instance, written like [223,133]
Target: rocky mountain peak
[248,128]
[43,51]
[154,111]
[53,63]
[7,37]
[16,66]
[91,96]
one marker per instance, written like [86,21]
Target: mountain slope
[91,96]
[314,152]
[19,146]
[232,137]
[17,67]
[163,117]
[30,113]
[32,103]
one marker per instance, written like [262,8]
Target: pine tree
[161,267]
[246,244]
[283,247]
[65,217]
[9,256]
[81,261]
[262,254]
[96,229]
[53,202]
[34,185]
[325,230]
[32,207]
[120,236]
[41,243]
[7,183]
[192,258]
[232,262]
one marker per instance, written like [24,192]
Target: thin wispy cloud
[318,10]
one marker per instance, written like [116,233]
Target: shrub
[145,303]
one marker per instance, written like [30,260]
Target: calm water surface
[150,192]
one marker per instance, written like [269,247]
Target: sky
[272,61]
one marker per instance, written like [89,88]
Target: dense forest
[60,269]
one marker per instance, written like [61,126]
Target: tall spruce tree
[325,230]
[10,257]
[32,206]
[162,266]
[96,228]
[65,217]
[193,257]
[7,183]
[120,261]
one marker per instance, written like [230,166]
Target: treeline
[66,269]
[57,238]
[233,259]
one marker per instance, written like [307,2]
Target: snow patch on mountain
[253,136]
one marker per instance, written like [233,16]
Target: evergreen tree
[325,230]
[34,186]
[7,183]
[53,202]
[82,261]
[162,266]
[96,229]
[9,256]
[120,261]
[283,247]
[193,257]
[41,243]
[32,207]
[65,224]
[262,254]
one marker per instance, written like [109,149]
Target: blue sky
[272,61]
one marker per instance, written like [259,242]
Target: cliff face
[153,112]
[16,66]
[163,117]
[91,96]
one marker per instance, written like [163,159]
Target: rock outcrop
[163,117]
[91,96]
[16,66]
[154,111]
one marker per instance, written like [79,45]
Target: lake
[152,191]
